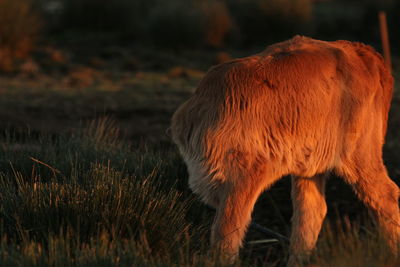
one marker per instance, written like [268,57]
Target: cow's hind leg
[379,193]
[309,210]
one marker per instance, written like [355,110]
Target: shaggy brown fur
[302,107]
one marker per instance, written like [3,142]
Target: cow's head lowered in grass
[302,107]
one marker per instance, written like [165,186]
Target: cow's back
[301,103]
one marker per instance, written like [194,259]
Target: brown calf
[302,107]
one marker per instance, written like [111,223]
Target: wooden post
[385,39]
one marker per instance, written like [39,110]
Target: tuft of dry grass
[353,244]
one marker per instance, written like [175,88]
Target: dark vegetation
[87,89]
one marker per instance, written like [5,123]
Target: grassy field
[88,176]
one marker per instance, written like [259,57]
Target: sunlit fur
[302,107]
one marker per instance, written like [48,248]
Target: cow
[302,107]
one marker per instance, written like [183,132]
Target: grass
[90,199]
